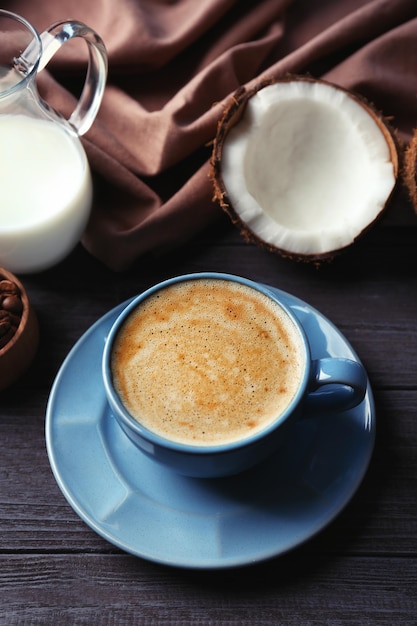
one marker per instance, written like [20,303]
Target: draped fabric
[172,67]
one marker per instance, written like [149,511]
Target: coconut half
[302,166]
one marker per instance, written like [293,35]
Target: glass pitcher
[45,180]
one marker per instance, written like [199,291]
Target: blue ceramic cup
[205,373]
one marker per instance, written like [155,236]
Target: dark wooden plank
[83,590]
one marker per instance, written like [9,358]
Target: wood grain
[361,570]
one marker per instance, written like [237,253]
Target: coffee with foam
[207,361]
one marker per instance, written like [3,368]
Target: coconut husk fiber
[173,66]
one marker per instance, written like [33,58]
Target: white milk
[45,192]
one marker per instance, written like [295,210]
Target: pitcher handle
[91,96]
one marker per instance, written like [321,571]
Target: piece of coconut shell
[233,113]
[410,169]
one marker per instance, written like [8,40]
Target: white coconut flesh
[307,168]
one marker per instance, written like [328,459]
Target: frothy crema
[207,361]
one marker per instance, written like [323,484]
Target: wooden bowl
[19,331]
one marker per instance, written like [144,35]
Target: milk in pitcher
[45,192]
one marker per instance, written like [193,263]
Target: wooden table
[361,569]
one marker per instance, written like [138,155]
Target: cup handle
[336,383]
[92,94]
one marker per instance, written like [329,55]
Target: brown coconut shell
[410,169]
[233,113]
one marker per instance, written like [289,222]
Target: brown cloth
[174,64]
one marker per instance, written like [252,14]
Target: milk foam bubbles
[45,191]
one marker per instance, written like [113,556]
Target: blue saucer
[155,514]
